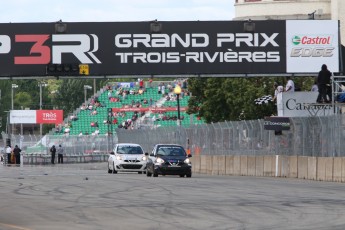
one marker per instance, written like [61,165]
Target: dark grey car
[169,159]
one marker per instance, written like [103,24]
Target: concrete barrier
[321,168]
[312,168]
[221,165]
[209,164]
[229,165]
[259,166]
[284,166]
[329,169]
[337,169]
[293,167]
[244,165]
[215,165]
[203,165]
[237,165]
[251,166]
[269,165]
[343,169]
[302,166]
[195,163]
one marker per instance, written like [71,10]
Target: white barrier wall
[302,167]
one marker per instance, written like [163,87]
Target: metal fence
[73,145]
[308,136]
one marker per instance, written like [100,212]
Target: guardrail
[45,159]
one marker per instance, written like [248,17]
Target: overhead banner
[36,116]
[167,48]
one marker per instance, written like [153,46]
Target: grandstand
[109,110]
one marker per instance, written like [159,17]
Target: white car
[127,157]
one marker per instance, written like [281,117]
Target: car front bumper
[173,170]
[130,167]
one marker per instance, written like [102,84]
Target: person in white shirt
[290,85]
[8,151]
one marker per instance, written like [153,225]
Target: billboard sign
[36,116]
[277,123]
[302,104]
[177,47]
[310,44]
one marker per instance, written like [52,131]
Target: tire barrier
[301,167]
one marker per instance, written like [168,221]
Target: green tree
[23,100]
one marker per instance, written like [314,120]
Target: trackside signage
[277,123]
[36,116]
[184,47]
[310,44]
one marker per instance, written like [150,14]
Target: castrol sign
[310,45]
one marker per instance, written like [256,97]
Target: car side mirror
[112,153]
[146,154]
[189,155]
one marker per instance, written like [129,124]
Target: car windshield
[170,151]
[129,149]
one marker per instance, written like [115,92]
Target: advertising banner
[303,104]
[153,110]
[36,116]
[168,48]
[309,44]
[277,123]
[132,48]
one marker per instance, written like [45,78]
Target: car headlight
[144,158]
[159,161]
[118,158]
[187,161]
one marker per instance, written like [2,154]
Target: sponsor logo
[82,46]
[312,40]
[312,46]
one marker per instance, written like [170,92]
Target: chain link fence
[308,136]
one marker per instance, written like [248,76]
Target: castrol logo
[312,40]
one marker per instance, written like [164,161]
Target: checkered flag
[263,100]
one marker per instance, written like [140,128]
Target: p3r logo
[82,46]
[5,44]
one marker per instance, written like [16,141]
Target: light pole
[14,86]
[86,87]
[177,91]
[41,84]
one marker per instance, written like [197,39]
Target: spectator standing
[290,85]
[8,153]
[276,90]
[60,151]
[16,152]
[314,87]
[324,84]
[52,152]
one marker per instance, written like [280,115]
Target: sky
[115,10]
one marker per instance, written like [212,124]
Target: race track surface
[85,196]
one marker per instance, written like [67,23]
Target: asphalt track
[85,196]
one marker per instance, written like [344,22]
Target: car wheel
[148,174]
[155,174]
[114,171]
[182,175]
[109,170]
[189,175]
